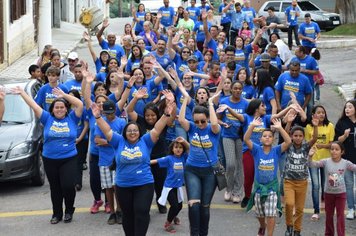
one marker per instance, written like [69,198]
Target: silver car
[325,20]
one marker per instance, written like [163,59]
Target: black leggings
[175,206]
[94,172]
[82,148]
[61,174]
[159,176]
[135,204]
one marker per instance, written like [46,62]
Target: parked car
[325,20]
[153,5]
[21,138]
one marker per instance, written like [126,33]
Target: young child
[335,190]
[245,31]
[35,72]
[265,194]
[45,95]
[296,174]
[172,189]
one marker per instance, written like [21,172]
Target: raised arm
[228,6]
[90,45]
[88,78]
[214,122]
[162,122]
[278,126]
[131,107]
[77,103]
[104,127]
[101,31]
[315,122]
[204,16]
[181,118]
[247,137]
[121,103]
[34,106]
[171,51]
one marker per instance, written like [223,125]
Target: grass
[343,30]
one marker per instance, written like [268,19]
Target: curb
[332,43]
[347,91]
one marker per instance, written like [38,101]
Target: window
[276,6]
[17,9]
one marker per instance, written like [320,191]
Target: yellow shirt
[325,136]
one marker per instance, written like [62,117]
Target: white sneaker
[236,199]
[227,196]
[350,214]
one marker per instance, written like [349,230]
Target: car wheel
[38,179]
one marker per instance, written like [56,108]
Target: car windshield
[307,6]
[16,110]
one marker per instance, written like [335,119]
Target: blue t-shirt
[114,51]
[167,15]
[266,96]
[250,14]
[242,56]
[74,84]
[309,63]
[189,109]
[175,170]
[132,160]
[59,135]
[99,67]
[213,46]
[45,96]
[257,131]
[248,91]
[309,30]
[235,125]
[224,18]
[199,30]
[194,13]
[299,85]
[199,55]
[107,153]
[101,76]
[131,65]
[139,25]
[80,128]
[198,138]
[266,165]
[292,18]
[93,148]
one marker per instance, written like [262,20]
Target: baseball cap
[73,56]
[265,57]
[104,50]
[307,15]
[194,58]
[108,107]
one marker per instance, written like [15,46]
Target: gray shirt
[334,174]
[296,167]
[273,19]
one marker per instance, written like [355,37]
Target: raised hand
[86,36]
[256,122]
[312,151]
[132,80]
[95,109]
[347,132]
[315,120]
[123,60]
[170,107]
[291,115]
[173,72]
[58,92]
[277,124]
[141,93]
[17,90]
[89,77]
[222,108]
[211,99]
[159,15]
[169,95]
[105,22]
[204,15]
[180,139]
[292,97]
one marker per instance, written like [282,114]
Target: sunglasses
[199,122]
[185,52]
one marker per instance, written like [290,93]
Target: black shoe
[78,187]
[68,218]
[112,219]
[119,217]
[55,220]
[162,209]
[85,167]
[244,202]
[289,231]
[297,233]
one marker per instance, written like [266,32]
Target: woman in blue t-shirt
[248,89]
[203,154]
[134,180]
[138,18]
[265,90]
[59,151]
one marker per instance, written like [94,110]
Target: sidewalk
[64,39]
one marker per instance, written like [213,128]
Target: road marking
[86,210]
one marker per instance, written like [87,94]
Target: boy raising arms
[265,194]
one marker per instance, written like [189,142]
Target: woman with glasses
[203,154]
[134,180]
[147,122]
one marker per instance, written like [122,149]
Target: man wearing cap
[292,13]
[167,14]
[275,59]
[237,17]
[115,50]
[194,72]
[67,72]
[106,158]
[265,63]
[194,11]
[309,33]
[295,82]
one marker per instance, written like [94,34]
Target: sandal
[176,221]
[315,217]
[169,228]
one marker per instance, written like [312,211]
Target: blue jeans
[317,92]
[314,175]
[200,185]
[349,183]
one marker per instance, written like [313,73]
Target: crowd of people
[177,94]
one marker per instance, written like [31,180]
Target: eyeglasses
[185,52]
[199,122]
[134,131]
